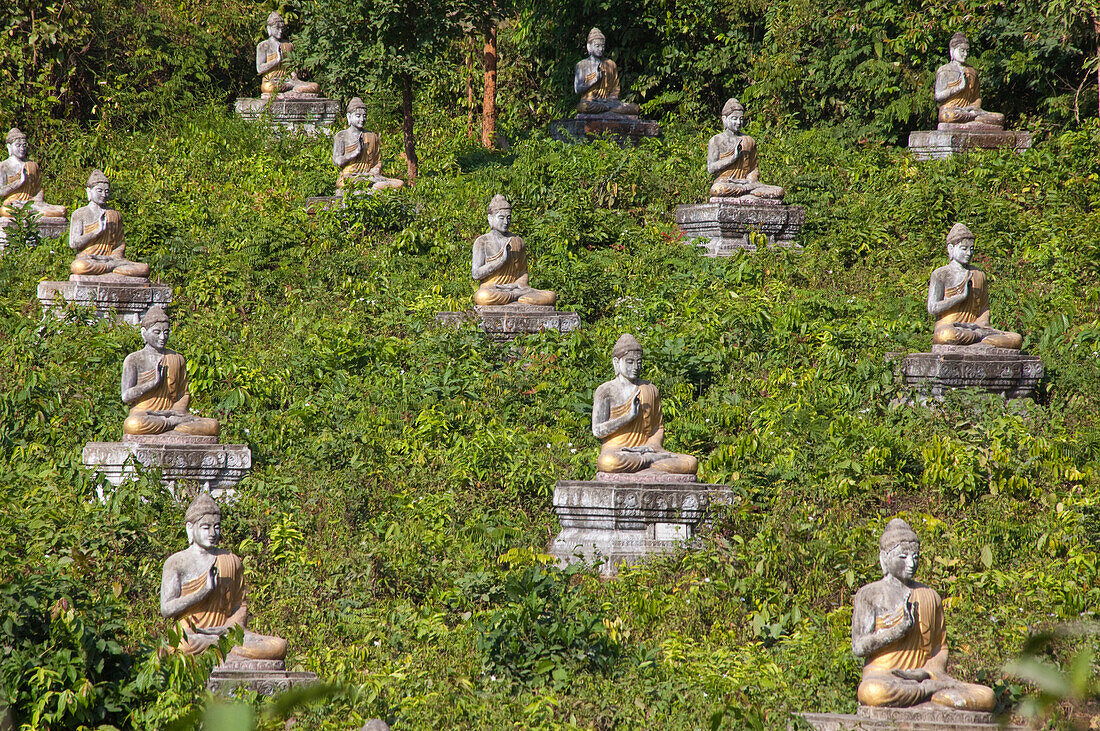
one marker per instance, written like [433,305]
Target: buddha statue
[596,79]
[95,232]
[202,588]
[958,93]
[154,384]
[958,297]
[898,627]
[626,417]
[731,158]
[271,55]
[357,154]
[500,263]
[21,181]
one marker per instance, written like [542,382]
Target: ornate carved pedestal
[266,677]
[48,228]
[625,517]
[992,370]
[110,295]
[200,461]
[505,322]
[311,115]
[729,226]
[923,717]
[952,139]
[621,128]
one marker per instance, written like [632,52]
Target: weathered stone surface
[311,116]
[924,717]
[729,225]
[269,682]
[938,144]
[505,322]
[48,228]
[624,521]
[621,128]
[993,370]
[126,298]
[216,467]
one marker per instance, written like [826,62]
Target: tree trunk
[470,52]
[407,127]
[489,99]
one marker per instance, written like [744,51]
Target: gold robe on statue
[369,157]
[144,417]
[968,311]
[512,272]
[104,254]
[637,433]
[603,96]
[28,192]
[278,79]
[966,105]
[734,182]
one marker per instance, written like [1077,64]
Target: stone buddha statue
[898,628]
[626,417]
[154,384]
[958,94]
[95,232]
[21,181]
[958,297]
[202,588]
[357,154]
[271,55]
[596,79]
[500,263]
[731,158]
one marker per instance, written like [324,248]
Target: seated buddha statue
[626,417]
[357,154]
[271,56]
[154,385]
[958,93]
[21,181]
[95,232]
[500,263]
[202,589]
[898,628]
[731,159]
[596,79]
[958,297]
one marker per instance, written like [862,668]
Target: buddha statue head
[500,214]
[203,522]
[155,328]
[733,115]
[597,43]
[18,147]
[356,113]
[960,243]
[276,26]
[626,357]
[958,48]
[98,188]
[899,551]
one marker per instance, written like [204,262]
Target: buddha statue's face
[961,251]
[734,121]
[206,531]
[357,117]
[99,193]
[959,52]
[596,47]
[629,366]
[18,148]
[156,335]
[500,220]
[276,28]
[901,560]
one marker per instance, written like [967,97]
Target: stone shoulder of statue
[21,181]
[498,262]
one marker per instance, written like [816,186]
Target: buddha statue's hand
[643,449]
[899,622]
[914,674]
[102,222]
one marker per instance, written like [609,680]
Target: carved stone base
[225,681]
[941,143]
[505,322]
[623,522]
[48,228]
[923,717]
[729,226]
[621,128]
[214,467]
[992,370]
[110,295]
[303,114]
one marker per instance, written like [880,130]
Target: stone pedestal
[505,322]
[266,677]
[1009,373]
[110,295]
[624,518]
[952,139]
[729,225]
[311,115]
[923,717]
[48,228]
[621,128]
[201,461]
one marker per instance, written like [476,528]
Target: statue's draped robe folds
[924,640]
[968,311]
[277,79]
[144,417]
[733,181]
[30,189]
[361,166]
[965,105]
[603,96]
[104,254]
[638,432]
[512,272]
[217,608]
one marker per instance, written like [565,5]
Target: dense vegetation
[394,523]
